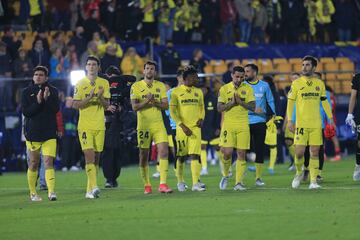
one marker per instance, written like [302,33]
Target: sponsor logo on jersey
[158,90]
[310,94]
[189,101]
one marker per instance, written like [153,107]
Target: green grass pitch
[273,212]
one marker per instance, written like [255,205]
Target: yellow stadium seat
[335,85]
[283,67]
[346,87]
[330,77]
[327,60]
[331,66]
[220,67]
[209,68]
[247,61]
[295,60]
[342,60]
[265,66]
[279,60]
[235,61]
[281,77]
[344,77]
[349,66]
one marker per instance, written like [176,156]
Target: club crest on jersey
[317,88]
[243,92]
[196,95]
[158,90]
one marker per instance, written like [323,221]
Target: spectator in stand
[12,43]
[181,18]
[165,11]
[292,12]
[325,9]
[59,65]
[273,8]
[5,72]
[22,66]
[260,23]
[226,78]
[132,63]
[39,55]
[77,14]
[198,61]
[228,17]
[99,40]
[79,41]
[92,50]
[108,14]
[311,15]
[60,13]
[33,11]
[111,42]
[345,17]
[110,58]
[210,21]
[72,56]
[69,140]
[57,42]
[148,21]
[246,14]
[91,25]
[171,62]
[43,36]
[194,22]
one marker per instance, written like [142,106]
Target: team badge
[243,92]
[317,88]
[158,90]
[196,95]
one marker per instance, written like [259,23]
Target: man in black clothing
[171,62]
[210,130]
[40,103]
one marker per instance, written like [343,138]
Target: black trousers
[111,163]
[257,134]
[68,151]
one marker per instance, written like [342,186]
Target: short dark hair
[112,70]
[41,68]
[253,67]
[238,69]
[180,72]
[93,58]
[188,70]
[312,59]
[149,62]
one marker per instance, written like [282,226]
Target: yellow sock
[32,178]
[163,167]
[50,179]
[314,169]
[299,164]
[91,174]
[198,168]
[258,170]
[273,155]
[292,151]
[144,172]
[158,167]
[195,171]
[240,170]
[226,167]
[180,171]
[203,159]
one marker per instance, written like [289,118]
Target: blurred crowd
[200,21]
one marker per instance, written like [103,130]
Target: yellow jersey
[147,6]
[307,93]
[148,117]
[237,116]
[92,116]
[188,104]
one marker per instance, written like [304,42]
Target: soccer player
[257,118]
[40,103]
[353,119]
[187,110]
[235,100]
[91,97]
[307,92]
[148,99]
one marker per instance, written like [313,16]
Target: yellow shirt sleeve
[293,92]
[222,97]
[250,97]
[78,93]
[134,94]
[106,89]
[163,92]
[202,109]
[174,113]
